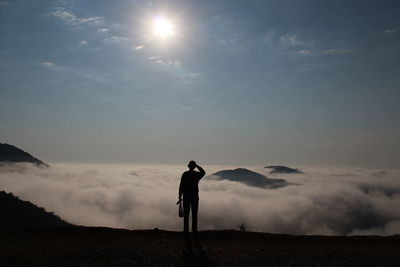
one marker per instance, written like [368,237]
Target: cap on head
[192,164]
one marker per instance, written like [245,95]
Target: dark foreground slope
[81,246]
[14,211]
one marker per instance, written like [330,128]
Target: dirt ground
[91,246]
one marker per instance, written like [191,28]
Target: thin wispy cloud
[116,40]
[389,31]
[304,52]
[193,74]
[290,39]
[337,51]
[176,68]
[269,38]
[48,64]
[139,47]
[51,65]
[69,18]
[103,30]
[230,45]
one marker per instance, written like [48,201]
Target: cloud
[268,38]
[176,67]
[337,51]
[324,201]
[192,74]
[70,19]
[49,64]
[139,47]
[103,30]
[64,2]
[232,45]
[115,40]
[304,52]
[291,40]
[83,42]
[389,31]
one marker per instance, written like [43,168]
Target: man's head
[192,165]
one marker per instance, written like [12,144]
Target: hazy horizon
[205,161]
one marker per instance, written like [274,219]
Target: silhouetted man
[189,188]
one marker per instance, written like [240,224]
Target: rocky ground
[90,246]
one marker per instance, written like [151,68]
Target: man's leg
[195,208]
[186,211]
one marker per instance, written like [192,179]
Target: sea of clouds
[329,201]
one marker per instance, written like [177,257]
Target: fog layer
[332,201]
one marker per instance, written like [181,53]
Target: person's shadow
[193,253]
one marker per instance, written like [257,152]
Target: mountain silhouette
[250,178]
[17,212]
[10,153]
[282,169]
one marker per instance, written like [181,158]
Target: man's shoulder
[190,173]
[186,173]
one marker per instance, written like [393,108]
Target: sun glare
[163,27]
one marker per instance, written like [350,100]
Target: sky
[239,82]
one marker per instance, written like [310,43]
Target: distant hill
[16,212]
[282,169]
[10,153]
[250,178]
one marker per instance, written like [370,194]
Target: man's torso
[190,181]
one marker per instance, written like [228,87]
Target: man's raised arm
[202,172]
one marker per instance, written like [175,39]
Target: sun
[163,27]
